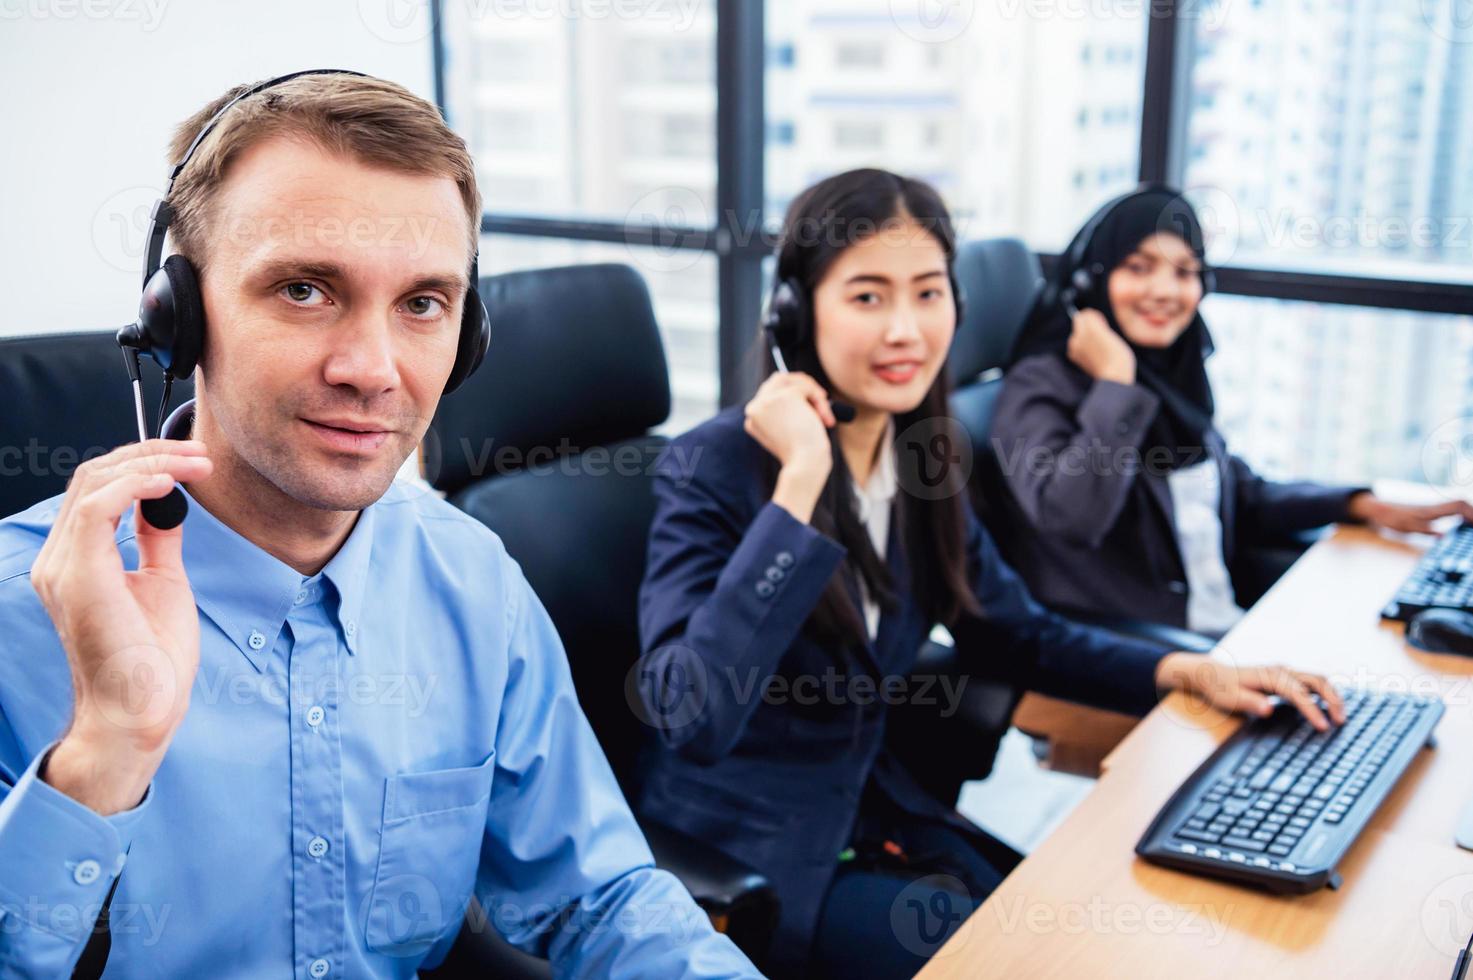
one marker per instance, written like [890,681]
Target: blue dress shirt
[364,749]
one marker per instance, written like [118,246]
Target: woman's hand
[1099,351]
[790,417]
[1366,506]
[1246,690]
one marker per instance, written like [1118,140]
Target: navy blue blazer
[768,737]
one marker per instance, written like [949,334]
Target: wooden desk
[1083,905]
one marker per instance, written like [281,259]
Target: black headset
[1086,279]
[170,327]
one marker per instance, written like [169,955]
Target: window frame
[741,125]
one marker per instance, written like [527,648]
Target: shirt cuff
[60,857]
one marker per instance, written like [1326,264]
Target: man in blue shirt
[301,730]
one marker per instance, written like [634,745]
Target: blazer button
[784,559]
[765,589]
[1123,429]
[775,574]
[1180,588]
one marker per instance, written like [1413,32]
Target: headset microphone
[167,512]
[843,411]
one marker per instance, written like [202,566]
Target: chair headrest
[576,360]
[67,400]
[1002,279]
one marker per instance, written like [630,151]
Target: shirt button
[317,846]
[318,968]
[257,639]
[86,872]
[315,714]
[784,559]
[301,597]
[765,589]
[775,574]
[350,627]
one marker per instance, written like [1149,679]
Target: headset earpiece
[173,317]
[475,332]
[786,320]
[170,325]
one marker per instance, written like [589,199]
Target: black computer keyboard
[1443,579]
[1278,804]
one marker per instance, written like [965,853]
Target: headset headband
[1087,233]
[163,214]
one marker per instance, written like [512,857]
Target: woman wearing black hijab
[1124,498]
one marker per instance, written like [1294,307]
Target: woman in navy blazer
[795,567]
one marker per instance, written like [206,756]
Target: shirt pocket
[429,847]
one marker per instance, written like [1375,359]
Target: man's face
[333,292]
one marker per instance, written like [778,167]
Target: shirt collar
[247,592]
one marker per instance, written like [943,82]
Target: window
[1335,137]
[613,102]
[1342,394]
[858,135]
[862,56]
[1007,90]
[592,121]
[1326,145]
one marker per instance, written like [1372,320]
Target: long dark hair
[820,224]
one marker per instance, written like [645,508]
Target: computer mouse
[1442,631]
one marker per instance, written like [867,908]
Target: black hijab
[1176,374]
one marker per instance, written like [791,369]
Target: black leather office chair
[549,445]
[67,399]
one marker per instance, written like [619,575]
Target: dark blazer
[1091,532]
[754,754]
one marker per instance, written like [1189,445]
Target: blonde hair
[368,119]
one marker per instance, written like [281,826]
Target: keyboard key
[1204,836]
[1242,843]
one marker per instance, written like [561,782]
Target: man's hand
[1246,689]
[131,638]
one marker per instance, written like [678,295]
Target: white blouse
[875,498]
[1196,499]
